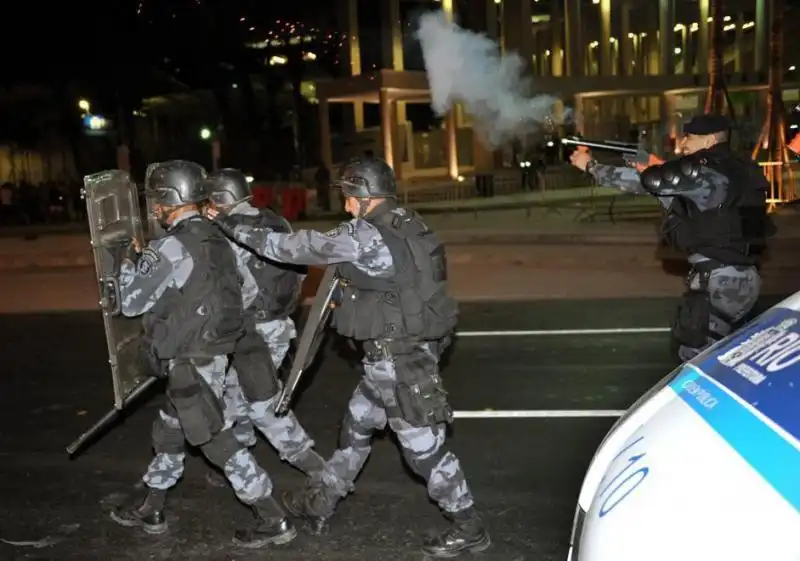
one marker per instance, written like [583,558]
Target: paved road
[525,472]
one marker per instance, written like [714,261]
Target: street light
[97,123]
[84,105]
[205,133]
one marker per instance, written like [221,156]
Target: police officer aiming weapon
[634,154]
[716,214]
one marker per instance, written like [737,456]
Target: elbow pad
[651,179]
[677,175]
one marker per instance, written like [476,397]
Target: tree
[771,145]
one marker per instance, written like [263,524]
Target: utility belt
[384,349]
[703,270]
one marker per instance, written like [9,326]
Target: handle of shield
[109,296]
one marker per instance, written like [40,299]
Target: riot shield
[311,337]
[112,205]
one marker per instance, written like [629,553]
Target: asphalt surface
[525,473]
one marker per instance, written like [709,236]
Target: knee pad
[221,448]
[257,376]
[198,409]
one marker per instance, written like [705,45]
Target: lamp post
[207,134]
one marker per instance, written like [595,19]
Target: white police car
[706,465]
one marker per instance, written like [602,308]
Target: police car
[706,465]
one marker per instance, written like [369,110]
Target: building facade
[620,65]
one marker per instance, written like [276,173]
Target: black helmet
[366,178]
[228,187]
[175,183]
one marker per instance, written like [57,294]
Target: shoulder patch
[343,228]
[147,262]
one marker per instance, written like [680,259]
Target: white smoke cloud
[467,68]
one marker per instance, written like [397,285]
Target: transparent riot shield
[115,220]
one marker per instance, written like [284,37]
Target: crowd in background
[46,203]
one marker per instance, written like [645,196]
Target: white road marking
[539,414]
[541,332]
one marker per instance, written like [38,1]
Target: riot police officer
[186,286]
[270,293]
[394,302]
[717,214]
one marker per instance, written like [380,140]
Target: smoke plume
[467,68]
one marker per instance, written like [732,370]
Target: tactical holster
[198,409]
[424,402]
[692,317]
[420,395]
[253,362]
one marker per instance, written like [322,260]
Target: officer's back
[198,312]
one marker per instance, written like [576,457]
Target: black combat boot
[466,533]
[149,515]
[272,526]
[314,505]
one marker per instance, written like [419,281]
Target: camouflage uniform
[372,406]
[284,433]
[733,289]
[278,335]
[164,264]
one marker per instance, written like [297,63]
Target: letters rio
[624,482]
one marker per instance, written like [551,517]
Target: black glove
[117,252]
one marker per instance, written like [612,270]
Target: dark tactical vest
[735,231]
[278,283]
[413,304]
[204,318]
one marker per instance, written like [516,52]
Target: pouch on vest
[690,326]
[198,409]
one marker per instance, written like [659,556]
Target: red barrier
[264,196]
[288,199]
[293,201]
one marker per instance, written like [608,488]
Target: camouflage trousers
[285,433]
[249,480]
[732,293]
[372,406]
